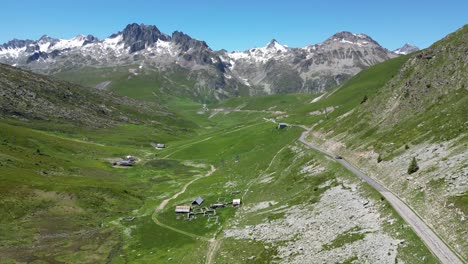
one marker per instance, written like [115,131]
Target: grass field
[60,192]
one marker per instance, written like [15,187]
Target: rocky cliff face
[274,68]
[137,37]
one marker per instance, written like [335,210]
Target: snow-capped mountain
[406,49]
[272,50]
[136,43]
[275,68]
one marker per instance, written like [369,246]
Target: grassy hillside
[425,100]
[59,193]
[32,97]
[157,85]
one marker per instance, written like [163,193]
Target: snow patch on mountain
[273,50]
[75,42]
[113,43]
[12,52]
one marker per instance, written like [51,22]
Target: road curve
[433,242]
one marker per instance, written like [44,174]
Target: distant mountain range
[274,68]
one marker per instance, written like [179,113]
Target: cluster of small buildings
[198,201]
[125,161]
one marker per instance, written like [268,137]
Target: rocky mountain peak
[351,38]
[275,46]
[406,49]
[271,44]
[79,37]
[90,39]
[137,37]
[46,39]
[16,43]
[266,69]
[186,42]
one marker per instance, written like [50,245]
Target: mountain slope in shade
[28,96]
[406,49]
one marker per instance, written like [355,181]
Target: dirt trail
[263,173]
[212,248]
[165,202]
[430,238]
[182,147]
[156,221]
[213,243]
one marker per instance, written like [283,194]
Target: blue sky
[239,25]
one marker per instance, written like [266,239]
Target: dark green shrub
[413,167]
[379,158]
[364,99]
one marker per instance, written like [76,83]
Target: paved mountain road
[433,242]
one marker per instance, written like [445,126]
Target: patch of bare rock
[305,231]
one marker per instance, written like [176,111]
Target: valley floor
[298,205]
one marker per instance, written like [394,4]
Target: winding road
[432,241]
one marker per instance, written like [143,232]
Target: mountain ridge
[274,68]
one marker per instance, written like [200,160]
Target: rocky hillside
[28,96]
[215,74]
[429,79]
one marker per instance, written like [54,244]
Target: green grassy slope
[59,195]
[156,85]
